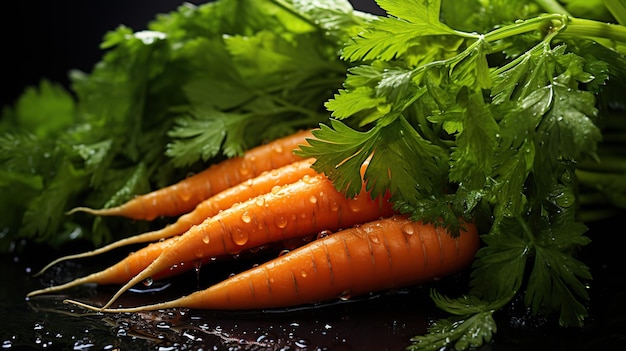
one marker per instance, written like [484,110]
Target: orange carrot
[183,196]
[307,206]
[123,270]
[383,254]
[247,189]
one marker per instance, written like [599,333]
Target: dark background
[46,39]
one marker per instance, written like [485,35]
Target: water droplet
[277,148]
[313,199]
[148,281]
[408,229]
[206,238]
[374,238]
[280,221]
[244,170]
[245,217]
[303,274]
[308,179]
[302,343]
[260,201]
[345,295]
[354,205]
[184,193]
[275,189]
[240,236]
[323,234]
[283,252]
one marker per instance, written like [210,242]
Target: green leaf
[344,151]
[472,157]
[556,282]
[44,215]
[473,327]
[390,37]
[498,270]
[45,111]
[202,135]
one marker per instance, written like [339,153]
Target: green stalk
[552,6]
[580,27]
[617,8]
[541,22]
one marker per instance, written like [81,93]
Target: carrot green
[508,113]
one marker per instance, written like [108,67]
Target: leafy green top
[200,84]
[475,125]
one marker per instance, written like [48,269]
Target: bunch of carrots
[271,195]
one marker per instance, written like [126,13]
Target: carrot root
[244,191]
[383,254]
[268,218]
[183,196]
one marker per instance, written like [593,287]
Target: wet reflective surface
[377,322]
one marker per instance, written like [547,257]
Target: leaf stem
[552,6]
[541,22]
[617,8]
[581,27]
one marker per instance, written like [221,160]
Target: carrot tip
[83,305]
[81,209]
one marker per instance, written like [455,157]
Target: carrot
[388,253]
[127,268]
[247,189]
[183,196]
[307,206]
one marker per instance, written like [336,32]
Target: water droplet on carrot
[323,234]
[244,170]
[374,238]
[277,148]
[354,205]
[206,238]
[240,236]
[313,199]
[345,295]
[260,201]
[308,179]
[408,229]
[283,252]
[148,281]
[303,274]
[280,221]
[245,217]
[184,193]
